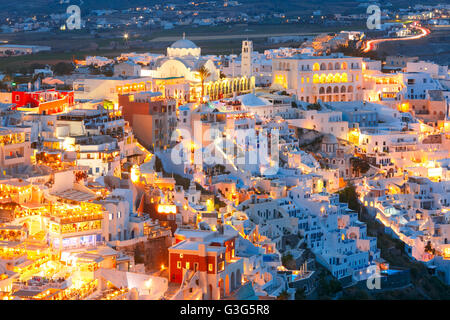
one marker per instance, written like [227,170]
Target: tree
[429,248]
[300,294]
[204,74]
[350,196]
[359,165]
[284,295]
[285,259]
[63,68]
[314,106]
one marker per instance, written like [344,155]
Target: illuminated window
[337,78]
[330,78]
[316,78]
[181,255]
[179,264]
[188,265]
[316,67]
[323,78]
[344,77]
[303,80]
[210,267]
[232,253]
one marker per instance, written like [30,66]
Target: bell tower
[246,58]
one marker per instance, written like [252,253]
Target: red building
[210,253]
[43,102]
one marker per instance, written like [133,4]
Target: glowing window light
[344,77]
[164,208]
[316,78]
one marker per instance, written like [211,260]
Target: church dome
[183,44]
[329,139]
[183,48]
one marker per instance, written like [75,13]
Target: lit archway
[316,78]
[323,78]
[330,78]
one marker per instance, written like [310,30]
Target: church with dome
[177,75]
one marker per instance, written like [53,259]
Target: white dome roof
[183,44]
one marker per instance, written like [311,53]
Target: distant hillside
[329,6]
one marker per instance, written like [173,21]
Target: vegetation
[288,261]
[429,248]
[349,195]
[354,293]
[328,286]
[360,166]
[300,294]
[63,68]
[204,74]
[284,295]
[314,106]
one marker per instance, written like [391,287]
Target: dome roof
[329,139]
[183,44]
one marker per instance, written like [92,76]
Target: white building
[328,78]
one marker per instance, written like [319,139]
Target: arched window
[323,78]
[322,90]
[344,77]
[330,66]
[350,89]
[336,89]
[323,66]
[316,78]
[344,66]
[337,78]
[330,78]
[316,67]
[343,89]
[337,66]
[329,90]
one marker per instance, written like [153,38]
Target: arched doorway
[227,285]
[210,292]
[221,289]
